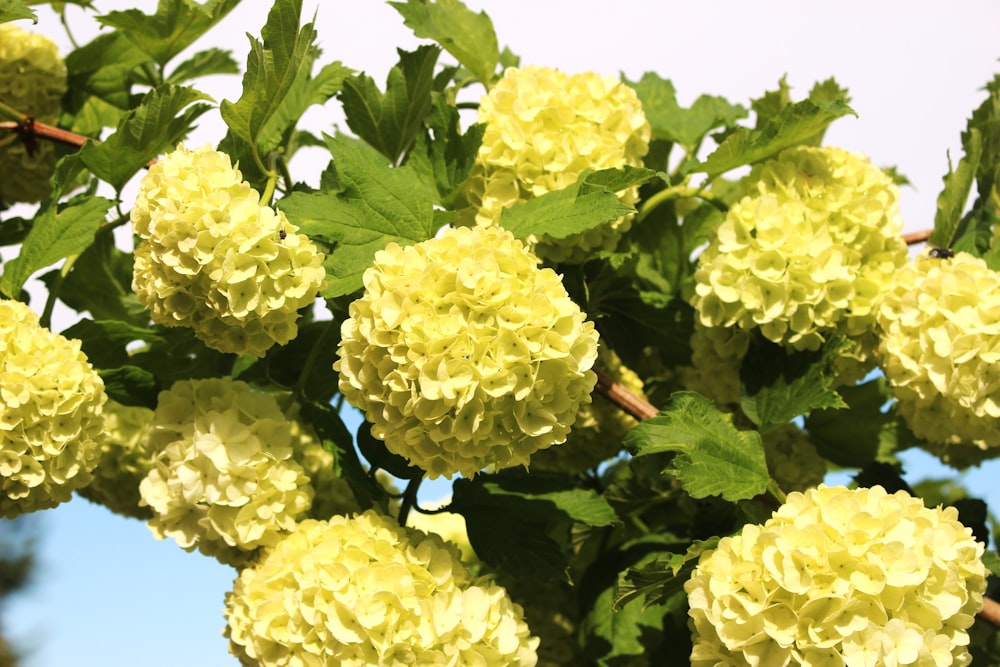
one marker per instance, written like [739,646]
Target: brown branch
[30,129]
[917,237]
[642,409]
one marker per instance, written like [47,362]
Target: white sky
[108,594]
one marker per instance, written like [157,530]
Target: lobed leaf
[442,155]
[204,63]
[374,206]
[12,10]
[156,125]
[466,35]
[174,27]
[713,457]
[657,578]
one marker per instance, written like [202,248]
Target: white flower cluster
[543,129]
[464,354]
[840,577]
[362,590]
[939,348]
[213,259]
[51,414]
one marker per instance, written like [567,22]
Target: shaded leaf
[380,458]
[777,386]
[156,125]
[390,121]
[375,205]
[661,576]
[130,385]
[853,437]
[466,35]
[713,457]
[174,27]
[204,63]
[105,342]
[102,69]
[442,155]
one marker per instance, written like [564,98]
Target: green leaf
[853,437]
[58,232]
[272,68]
[713,457]
[661,576]
[376,205]
[390,121]
[174,27]
[777,386]
[12,10]
[953,198]
[512,520]
[613,634]
[583,205]
[442,156]
[992,562]
[105,342]
[204,63]
[686,127]
[795,124]
[379,456]
[130,385]
[102,69]
[100,282]
[769,105]
[149,129]
[467,36]
[337,440]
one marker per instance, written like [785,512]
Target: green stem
[775,491]
[11,113]
[680,191]
[65,24]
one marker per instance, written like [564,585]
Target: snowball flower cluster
[792,458]
[940,347]
[840,577]
[223,477]
[807,252]
[464,354]
[32,82]
[51,414]
[123,463]
[543,129]
[365,591]
[213,259]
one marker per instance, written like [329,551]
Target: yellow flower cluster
[32,81]
[840,577]
[792,459]
[599,428]
[123,462]
[224,479]
[716,355]
[51,414]
[807,252]
[365,591]
[543,129]
[940,347]
[213,259]
[464,354]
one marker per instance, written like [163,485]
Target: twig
[30,129]
[917,237]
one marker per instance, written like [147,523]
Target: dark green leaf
[467,36]
[380,458]
[100,282]
[661,576]
[390,121]
[304,93]
[174,27]
[130,385]
[576,208]
[852,437]
[513,520]
[686,127]
[58,232]
[615,634]
[795,124]
[272,68]
[713,457]
[204,63]
[375,206]
[102,70]
[12,10]
[778,386]
[442,156]
[143,133]
[105,342]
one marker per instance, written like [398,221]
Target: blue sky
[109,594]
